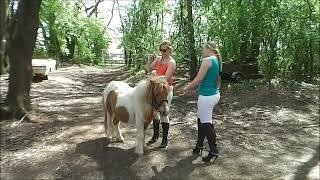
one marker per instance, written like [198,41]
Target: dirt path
[261,135]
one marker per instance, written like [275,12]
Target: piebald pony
[122,103]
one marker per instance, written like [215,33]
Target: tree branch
[95,7]
[111,13]
[121,20]
[85,7]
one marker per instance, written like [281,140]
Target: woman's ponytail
[212,46]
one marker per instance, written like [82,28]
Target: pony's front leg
[140,134]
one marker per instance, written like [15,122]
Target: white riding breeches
[205,107]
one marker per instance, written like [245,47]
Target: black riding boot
[211,137]
[165,129]
[199,146]
[155,132]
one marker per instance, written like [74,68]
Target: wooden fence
[113,62]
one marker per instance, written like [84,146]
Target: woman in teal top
[209,82]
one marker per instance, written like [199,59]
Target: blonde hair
[213,47]
[167,44]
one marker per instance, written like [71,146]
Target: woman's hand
[185,90]
[154,72]
[150,63]
[151,57]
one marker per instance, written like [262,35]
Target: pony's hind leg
[119,136]
[109,131]
[106,123]
[112,130]
[106,127]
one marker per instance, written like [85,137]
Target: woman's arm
[170,70]
[201,73]
[219,81]
[150,67]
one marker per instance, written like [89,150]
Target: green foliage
[69,35]
[179,39]
[40,53]
[281,36]
[91,41]
[142,30]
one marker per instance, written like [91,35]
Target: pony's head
[157,93]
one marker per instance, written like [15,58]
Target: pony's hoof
[109,140]
[139,152]
[140,155]
[120,140]
[112,140]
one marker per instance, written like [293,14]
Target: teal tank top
[208,85]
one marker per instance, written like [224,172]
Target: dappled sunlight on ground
[261,134]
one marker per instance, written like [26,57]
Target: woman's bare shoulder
[206,61]
[157,59]
[172,60]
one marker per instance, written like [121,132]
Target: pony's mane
[157,79]
[153,78]
[151,83]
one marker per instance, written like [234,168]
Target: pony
[123,103]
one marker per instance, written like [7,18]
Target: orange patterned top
[161,69]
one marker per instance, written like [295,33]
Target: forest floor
[262,133]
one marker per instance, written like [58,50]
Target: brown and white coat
[122,103]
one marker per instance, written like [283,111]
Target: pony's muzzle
[164,108]
[164,113]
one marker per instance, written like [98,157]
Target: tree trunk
[181,16]
[255,39]
[3,21]
[54,45]
[243,25]
[23,33]
[271,61]
[311,58]
[125,56]
[310,75]
[71,45]
[129,58]
[192,51]
[45,36]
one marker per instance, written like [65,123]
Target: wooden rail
[110,61]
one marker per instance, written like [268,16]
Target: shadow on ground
[261,134]
[114,162]
[304,169]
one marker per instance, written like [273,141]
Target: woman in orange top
[165,66]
